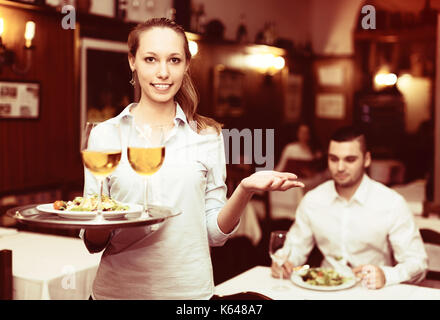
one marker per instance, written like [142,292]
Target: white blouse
[294,151]
[173,262]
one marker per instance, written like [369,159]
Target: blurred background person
[304,156]
[304,148]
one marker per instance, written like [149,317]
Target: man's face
[347,163]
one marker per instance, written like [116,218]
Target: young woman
[172,262]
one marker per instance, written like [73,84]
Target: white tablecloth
[50,267]
[259,279]
[7,231]
[414,194]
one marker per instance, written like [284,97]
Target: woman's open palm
[270,181]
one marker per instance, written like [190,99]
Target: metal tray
[30,215]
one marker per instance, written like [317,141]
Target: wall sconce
[192,42]
[384,79]
[193,47]
[7,57]
[265,63]
[265,59]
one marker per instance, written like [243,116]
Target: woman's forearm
[259,181]
[231,212]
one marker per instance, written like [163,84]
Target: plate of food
[86,208]
[323,279]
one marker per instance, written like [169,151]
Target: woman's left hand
[270,181]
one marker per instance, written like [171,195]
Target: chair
[5,275]
[431,240]
[237,255]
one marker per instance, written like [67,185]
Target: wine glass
[101,153]
[278,253]
[146,152]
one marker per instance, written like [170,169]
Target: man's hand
[372,276]
[286,269]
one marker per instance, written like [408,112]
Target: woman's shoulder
[292,146]
[207,126]
[209,131]
[294,150]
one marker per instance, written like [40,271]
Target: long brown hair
[187,96]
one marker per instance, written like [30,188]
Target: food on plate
[89,204]
[59,205]
[323,277]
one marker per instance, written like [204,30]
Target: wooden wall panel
[324,127]
[45,151]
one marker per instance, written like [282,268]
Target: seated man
[357,220]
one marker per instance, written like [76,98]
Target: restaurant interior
[256,64]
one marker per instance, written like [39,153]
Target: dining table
[49,267]
[259,280]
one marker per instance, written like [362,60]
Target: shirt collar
[360,195]
[362,191]
[125,114]
[180,115]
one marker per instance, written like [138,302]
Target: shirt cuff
[216,236]
[393,275]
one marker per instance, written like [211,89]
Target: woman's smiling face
[160,64]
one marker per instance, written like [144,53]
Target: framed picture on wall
[228,92]
[330,106]
[19,100]
[331,75]
[293,98]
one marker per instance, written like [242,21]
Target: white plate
[297,279]
[48,207]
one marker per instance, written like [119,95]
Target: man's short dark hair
[351,133]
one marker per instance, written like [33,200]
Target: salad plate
[69,214]
[323,279]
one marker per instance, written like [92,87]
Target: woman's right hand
[286,268]
[97,238]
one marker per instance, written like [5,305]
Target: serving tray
[30,215]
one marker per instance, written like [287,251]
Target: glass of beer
[101,153]
[146,152]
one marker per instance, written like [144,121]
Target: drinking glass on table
[278,254]
[146,152]
[101,153]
